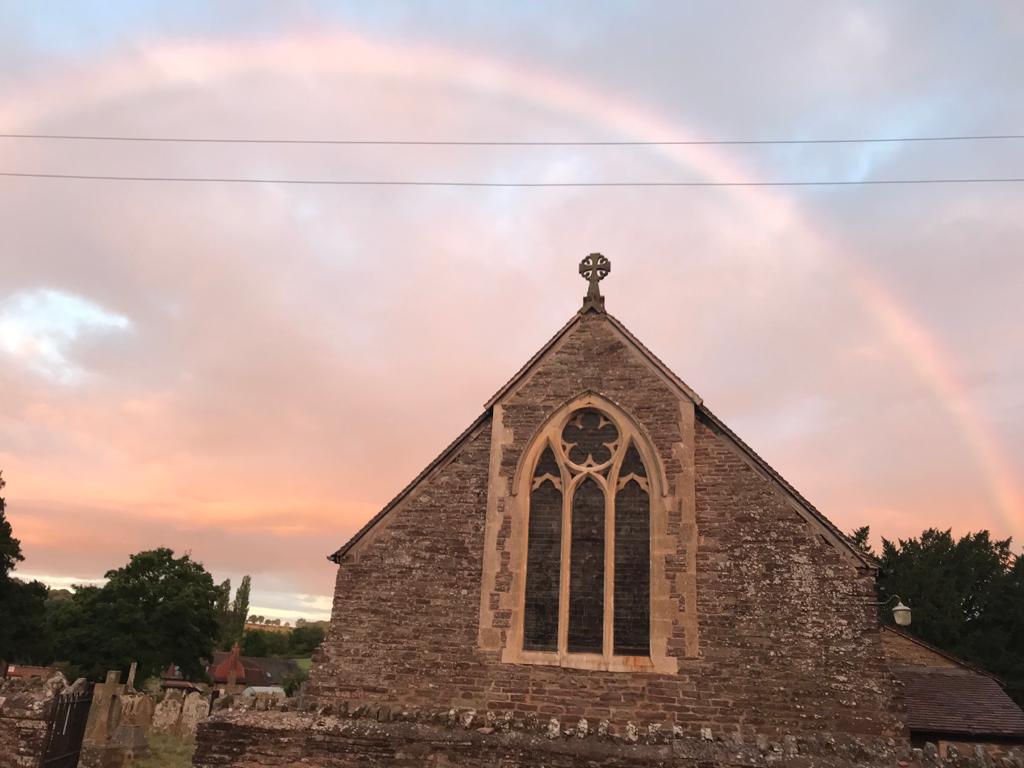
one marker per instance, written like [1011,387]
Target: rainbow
[344,53]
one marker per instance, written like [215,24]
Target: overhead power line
[505,143]
[410,183]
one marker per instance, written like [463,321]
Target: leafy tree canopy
[10,547]
[232,614]
[299,642]
[22,605]
[157,610]
[240,608]
[967,597]
[860,537]
[23,635]
[257,643]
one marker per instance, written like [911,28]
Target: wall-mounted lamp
[900,612]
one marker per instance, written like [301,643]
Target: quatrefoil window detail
[589,439]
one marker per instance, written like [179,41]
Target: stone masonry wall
[787,638]
[259,739]
[771,633]
[24,712]
[405,618]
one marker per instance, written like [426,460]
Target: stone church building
[596,571]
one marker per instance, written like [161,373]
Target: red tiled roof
[227,665]
[251,670]
[951,701]
[26,670]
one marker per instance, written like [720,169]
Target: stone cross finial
[594,269]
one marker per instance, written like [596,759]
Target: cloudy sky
[249,372]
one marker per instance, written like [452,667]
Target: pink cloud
[298,354]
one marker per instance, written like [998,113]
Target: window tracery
[588,549]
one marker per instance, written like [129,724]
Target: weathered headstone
[136,717]
[167,712]
[131,740]
[137,709]
[105,712]
[196,707]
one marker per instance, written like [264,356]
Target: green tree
[225,617]
[861,537]
[302,641]
[10,547]
[157,610]
[294,681]
[240,608]
[23,635]
[254,643]
[967,597]
[258,643]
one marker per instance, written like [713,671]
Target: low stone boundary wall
[24,714]
[253,739]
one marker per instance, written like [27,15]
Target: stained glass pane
[586,570]
[632,570]
[546,464]
[632,464]
[543,560]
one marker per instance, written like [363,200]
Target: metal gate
[66,729]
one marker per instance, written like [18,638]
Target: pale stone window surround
[662,607]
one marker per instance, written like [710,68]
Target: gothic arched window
[588,543]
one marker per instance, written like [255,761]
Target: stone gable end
[759,621]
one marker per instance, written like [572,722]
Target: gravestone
[167,712]
[105,712]
[135,722]
[137,709]
[196,707]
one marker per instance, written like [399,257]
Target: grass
[166,751]
[304,664]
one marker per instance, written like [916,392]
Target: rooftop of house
[26,670]
[251,670]
[958,701]
[946,695]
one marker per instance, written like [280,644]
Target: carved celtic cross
[594,269]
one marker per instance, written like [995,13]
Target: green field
[167,752]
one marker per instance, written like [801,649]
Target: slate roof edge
[945,654]
[958,700]
[788,488]
[617,324]
[698,401]
[655,360]
[438,461]
[667,372]
[793,493]
[534,359]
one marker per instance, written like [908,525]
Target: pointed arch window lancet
[543,575]
[588,566]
